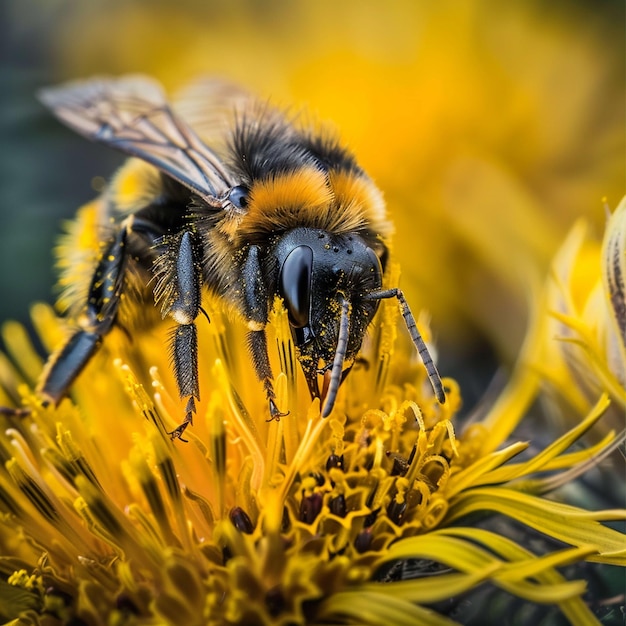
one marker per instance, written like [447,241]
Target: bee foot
[275,413]
[177,433]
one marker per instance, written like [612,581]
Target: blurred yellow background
[489,126]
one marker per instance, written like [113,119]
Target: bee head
[324,279]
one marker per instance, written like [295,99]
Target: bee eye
[239,196]
[294,284]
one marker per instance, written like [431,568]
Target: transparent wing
[213,107]
[132,114]
[216,109]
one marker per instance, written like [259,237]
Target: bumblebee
[266,207]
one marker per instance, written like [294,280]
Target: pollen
[181,317]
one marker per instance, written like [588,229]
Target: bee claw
[177,433]
[275,412]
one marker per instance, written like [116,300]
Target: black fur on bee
[257,208]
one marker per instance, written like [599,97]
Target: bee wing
[212,107]
[132,114]
[216,109]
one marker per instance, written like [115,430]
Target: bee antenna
[340,355]
[416,337]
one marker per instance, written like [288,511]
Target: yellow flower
[588,316]
[104,519]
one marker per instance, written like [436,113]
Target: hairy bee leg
[418,341]
[257,342]
[184,310]
[185,360]
[255,305]
[102,305]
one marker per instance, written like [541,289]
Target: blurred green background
[490,127]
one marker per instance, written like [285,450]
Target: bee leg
[185,360]
[102,305]
[255,306]
[184,309]
[257,342]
